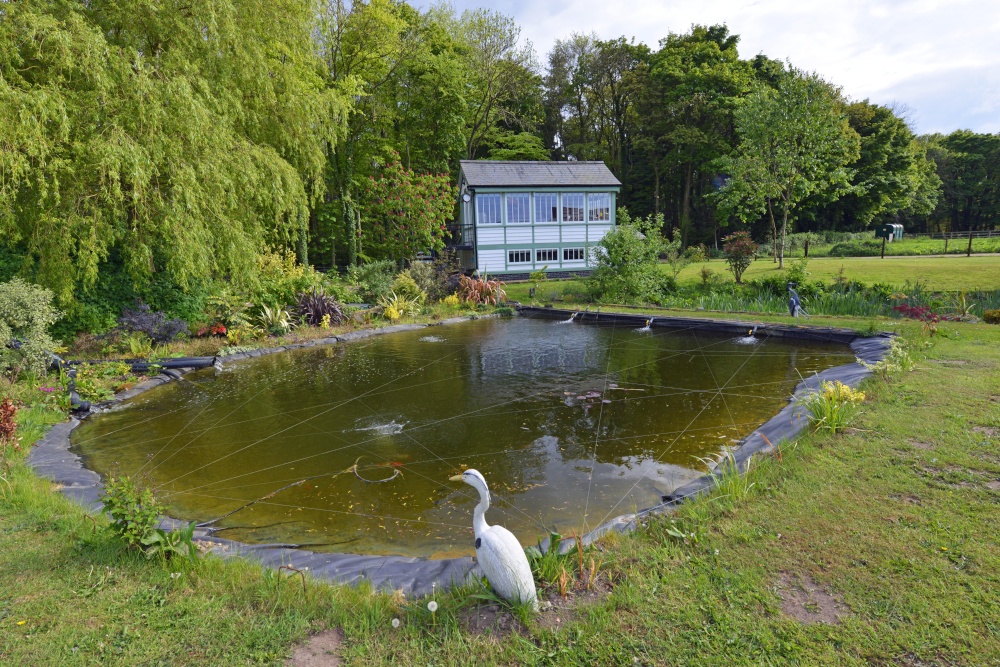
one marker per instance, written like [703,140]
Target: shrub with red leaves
[922,313]
[8,423]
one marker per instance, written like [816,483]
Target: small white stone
[395,622]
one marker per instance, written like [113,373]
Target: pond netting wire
[505,506]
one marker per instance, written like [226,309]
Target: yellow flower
[21,622]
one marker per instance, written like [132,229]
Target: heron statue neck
[479,524]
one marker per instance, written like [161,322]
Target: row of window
[545,255]
[576,207]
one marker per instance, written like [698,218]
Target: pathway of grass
[891,531]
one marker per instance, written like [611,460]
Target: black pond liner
[52,459]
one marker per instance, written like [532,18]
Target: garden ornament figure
[499,553]
[794,303]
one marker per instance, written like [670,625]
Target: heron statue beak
[456,478]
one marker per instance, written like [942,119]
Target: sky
[938,60]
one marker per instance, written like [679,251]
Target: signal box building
[516,217]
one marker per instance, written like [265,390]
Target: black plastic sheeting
[52,459]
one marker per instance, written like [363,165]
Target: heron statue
[795,308]
[499,553]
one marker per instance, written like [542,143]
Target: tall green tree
[181,137]
[695,83]
[892,176]
[968,165]
[794,143]
[569,127]
[501,71]
[364,46]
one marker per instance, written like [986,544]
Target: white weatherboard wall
[571,241]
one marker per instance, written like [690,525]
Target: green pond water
[571,425]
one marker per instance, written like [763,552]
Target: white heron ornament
[499,553]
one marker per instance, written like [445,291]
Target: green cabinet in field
[890,233]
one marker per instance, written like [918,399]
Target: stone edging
[52,459]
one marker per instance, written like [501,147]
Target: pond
[349,447]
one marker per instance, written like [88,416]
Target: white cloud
[940,58]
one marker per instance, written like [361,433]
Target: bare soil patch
[921,445]
[320,650]
[491,619]
[554,612]
[806,601]
[908,499]
[994,485]
[950,362]
[989,431]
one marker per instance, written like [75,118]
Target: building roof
[523,173]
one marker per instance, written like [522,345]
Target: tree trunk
[686,207]
[656,187]
[774,232]
[302,246]
[784,226]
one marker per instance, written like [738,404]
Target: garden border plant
[52,459]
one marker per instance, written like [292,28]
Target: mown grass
[898,519]
[940,274]
[943,274]
[909,245]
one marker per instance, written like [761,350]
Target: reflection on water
[570,425]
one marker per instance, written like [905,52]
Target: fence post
[883,247]
[969,252]
[807,248]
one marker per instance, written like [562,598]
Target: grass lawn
[942,274]
[938,273]
[912,245]
[890,532]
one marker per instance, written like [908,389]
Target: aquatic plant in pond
[349,447]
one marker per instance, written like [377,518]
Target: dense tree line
[171,143]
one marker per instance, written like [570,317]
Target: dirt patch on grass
[950,362]
[491,619]
[989,431]
[807,602]
[321,650]
[921,445]
[554,612]
[994,485]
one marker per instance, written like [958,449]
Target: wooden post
[807,248]
[883,247]
[969,251]
[946,243]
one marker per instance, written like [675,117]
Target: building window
[573,254]
[519,257]
[600,206]
[488,209]
[546,207]
[518,208]
[572,207]
[549,255]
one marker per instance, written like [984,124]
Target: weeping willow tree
[182,137]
